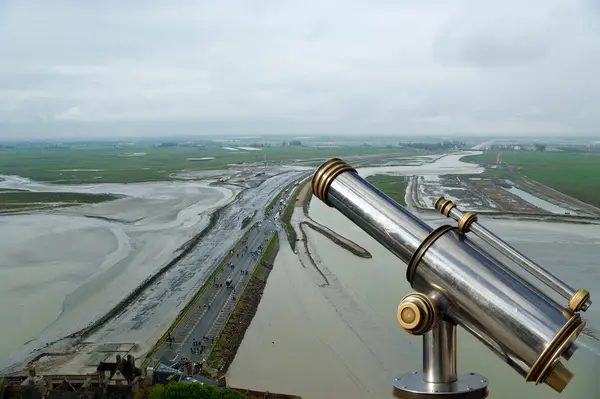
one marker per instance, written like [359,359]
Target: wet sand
[147,310]
[343,340]
[86,259]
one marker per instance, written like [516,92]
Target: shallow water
[343,340]
[448,164]
[540,203]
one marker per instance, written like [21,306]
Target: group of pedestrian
[198,346]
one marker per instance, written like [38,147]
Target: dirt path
[304,195]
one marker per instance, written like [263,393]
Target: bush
[179,390]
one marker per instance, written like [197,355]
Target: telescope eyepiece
[559,378]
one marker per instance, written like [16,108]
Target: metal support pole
[439,376]
[439,353]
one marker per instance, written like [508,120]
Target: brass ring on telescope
[416,313]
[465,222]
[444,206]
[554,374]
[325,175]
[579,298]
[422,249]
[554,349]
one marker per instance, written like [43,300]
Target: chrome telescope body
[458,282]
[467,221]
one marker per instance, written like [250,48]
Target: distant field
[122,165]
[16,200]
[576,175]
[393,186]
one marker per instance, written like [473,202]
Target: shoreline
[184,249]
[338,239]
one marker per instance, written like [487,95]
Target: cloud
[386,66]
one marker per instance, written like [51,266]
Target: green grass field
[16,200]
[576,175]
[103,163]
[394,186]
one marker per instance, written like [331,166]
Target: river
[343,340]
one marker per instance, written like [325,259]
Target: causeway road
[204,322]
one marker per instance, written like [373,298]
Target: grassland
[394,186]
[573,174]
[104,163]
[17,200]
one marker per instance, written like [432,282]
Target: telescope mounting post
[439,376]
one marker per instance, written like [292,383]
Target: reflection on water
[344,340]
[540,203]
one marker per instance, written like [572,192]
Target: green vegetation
[573,174]
[306,200]
[14,200]
[216,354]
[289,211]
[108,163]
[247,220]
[274,201]
[180,390]
[267,257]
[394,186]
[196,298]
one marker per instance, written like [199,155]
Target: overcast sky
[310,66]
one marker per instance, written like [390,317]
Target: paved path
[209,315]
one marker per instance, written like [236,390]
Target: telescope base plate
[467,386]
